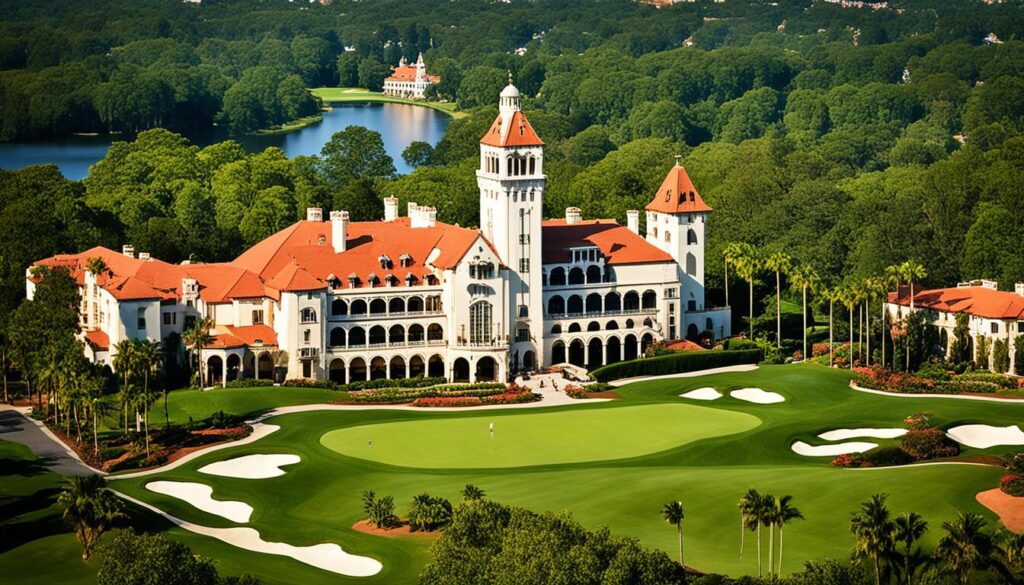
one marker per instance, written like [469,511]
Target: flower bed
[403,395]
[877,378]
[1012,484]
[514,395]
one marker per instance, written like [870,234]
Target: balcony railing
[308,353]
[377,316]
[390,344]
[492,344]
[621,313]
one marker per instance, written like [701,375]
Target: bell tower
[511,181]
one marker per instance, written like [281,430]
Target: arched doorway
[357,370]
[691,332]
[417,367]
[595,357]
[460,370]
[234,365]
[214,370]
[378,368]
[576,353]
[529,360]
[629,347]
[336,372]
[614,351]
[265,366]
[486,369]
[558,352]
[397,367]
[435,367]
[646,342]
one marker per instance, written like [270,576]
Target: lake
[398,124]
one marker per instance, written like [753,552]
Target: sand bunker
[327,556]
[802,448]
[843,434]
[702,394]
[985,436]
[1009,509]
[201,496]
[251,466]
[757,396]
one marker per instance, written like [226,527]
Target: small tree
[472,492]
[1001,356]
[128,557]
[380,512]
[89,508]
[429,513]
[872,529]
[1018,355]
[674,515]
[960,348]
[984,352]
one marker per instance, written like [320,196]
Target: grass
[291,126]
[611,464]
[355,94]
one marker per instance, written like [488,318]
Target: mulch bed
[1010,509]
[365,527]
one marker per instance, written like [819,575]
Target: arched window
[575,305]
[339,307]
[611,326]
[557,277]
[480,322]
[415,305]
[631,301]
[593,274]
[576,276]
[396,334]
[396,305]
[612,302]
[377,335]
[435,332]
[691,264]
[593,326]
[358,307]
[378,306]
[574,327]
[415,333]
[556,329]
[308,315]
[556,305]
[691,237]
[356,336]
[533,165]
[593,303]
[337,337]
[650,299]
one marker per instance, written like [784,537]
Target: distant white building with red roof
[992,313]
[413,296]
[409,81]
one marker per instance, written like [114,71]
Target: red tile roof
[99,340]
[408,73]
[518,133]
[677,194]
[618,244]
[228,337]
[685,345]
[979,301]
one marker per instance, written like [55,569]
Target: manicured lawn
[611,464]
[519,440]
[355,94]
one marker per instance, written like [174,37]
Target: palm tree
[785,513]
[778,262]
[804,278]
[850,296]
[748,516]
[1013,548]
[965,546]
[872,529]
[731,251]
[89,508]
[673,514]
[124,364]
[748,263]
[148,356]
[196,338]
[833,295]
[893,278]
[912,272]
[472,492]
[768,511]
[908,527]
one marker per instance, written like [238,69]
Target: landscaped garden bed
[938,381]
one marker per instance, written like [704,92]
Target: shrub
[739,344]
[918,421]
[928,444]
[305,383]
[429,513]
[220,420]
[847,460]
[1015,462]
[128,557]
[1012,484]
[885,456]
[249,383]
[574,391]
[676,363]
[933,371]
[1001,356]
[819,349]
[435,401]
[380,511]
[1018,355]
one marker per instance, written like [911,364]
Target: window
[995,327]
[655,232]
[522,335]
[524,265]
[308,315]
[257,317]
[668,236]
[480,322]
[142,319]
[167,318]
[310,295]
[305,336]
[524,238]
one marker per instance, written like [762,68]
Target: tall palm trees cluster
[857,295]
[757,510]
[195,338]
[136,360]
[888,542]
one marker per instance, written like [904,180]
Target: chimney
[422,216]
[339,230]
[573,215]
[633,221]
[314,214]
[390,208]
[143,255]
[1019,288]
[128,250]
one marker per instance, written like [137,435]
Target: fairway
[528,439]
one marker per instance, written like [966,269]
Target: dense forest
[851,138]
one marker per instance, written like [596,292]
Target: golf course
[611,463]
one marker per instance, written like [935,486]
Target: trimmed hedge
[676,363]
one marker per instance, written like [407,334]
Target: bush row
[676,363]
[366,384]
[401,395]
[970,383]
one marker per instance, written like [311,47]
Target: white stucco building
[992,313]
[411,295]
[409,81]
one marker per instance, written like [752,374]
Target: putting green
[536,438]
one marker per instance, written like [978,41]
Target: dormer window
[405,260]
[373,280]
[353,280]
[385,261]
[390,279]
[431,279]
[410,279]
[668,195]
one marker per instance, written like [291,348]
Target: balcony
[488,345]
[309,353]
[595,315]
[384,316]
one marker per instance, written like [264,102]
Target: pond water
[398,124]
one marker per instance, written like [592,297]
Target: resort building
[409,81]
[991,313]
[412,296]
